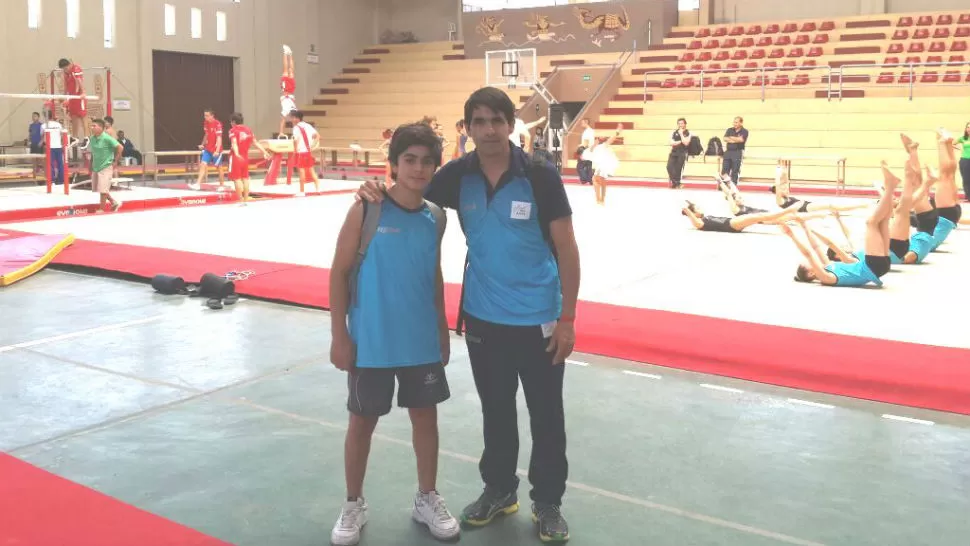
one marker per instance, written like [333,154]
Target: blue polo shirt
[512,276]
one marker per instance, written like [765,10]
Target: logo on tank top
[388,229]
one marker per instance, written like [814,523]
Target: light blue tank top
[921,244]
[855,274]
[395,321]
[943,229]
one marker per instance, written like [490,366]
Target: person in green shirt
[105,155]
[963,143]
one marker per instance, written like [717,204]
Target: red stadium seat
[925,20]
[705,56]
[783,41]
[757,82]
[696,68]
[821,39]
[729,43]
[797,52]
[790,64]
[680,68]
[937,47]
[945,19]
[723,81]
[913,60]
[929,77]
[737,31]
[810,63]
[895,48]
[958,46]
[780,79]
[770,64]
[713,67]
[802,39]
[758,54]
[742,81]
[704,82]
[827,26]
[696,44]
[921,34]
[962,32]
[951,76]
[702,33]
[808,27]
[891,60]
[754,30]
[941,33]
[901,34]
[720,31]
[739,55]
[907,77]
[747,42]
[722,56]
[886,77]
[687,57]
[732,67]
[686,82]
[749,66]
[790,27]
[934,59]
[773,29]
[776,53]
[669,83]
[964,19]
[904,22]
[814,52]
[955,59]
[801,79]
[765,41]
[712,44]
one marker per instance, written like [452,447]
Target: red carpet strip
[888,371]
[38,508]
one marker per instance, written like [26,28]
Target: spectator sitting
[129,148]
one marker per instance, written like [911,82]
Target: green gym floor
[231,422]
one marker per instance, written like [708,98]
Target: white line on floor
[81,333]
[577,363]
[810,403]
[907,419]
[720,388]
[641,374]
[574,485]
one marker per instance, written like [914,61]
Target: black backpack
[694,147]
[715,147]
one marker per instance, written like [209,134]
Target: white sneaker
[287,50]
[194,186]
[430,510]
[353,517]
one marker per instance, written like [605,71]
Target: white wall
[427,19]
[257,29]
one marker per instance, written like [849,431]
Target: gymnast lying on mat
[782,191]
[850,270]
[734,198]
[731,225]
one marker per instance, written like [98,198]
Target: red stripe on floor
[41,509]
[874,369]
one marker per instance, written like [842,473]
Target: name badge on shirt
[521,210]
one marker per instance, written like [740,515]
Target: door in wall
[186,84]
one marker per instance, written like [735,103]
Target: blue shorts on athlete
[211,159]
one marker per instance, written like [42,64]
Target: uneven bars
[49,97]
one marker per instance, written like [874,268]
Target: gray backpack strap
[440,218]
[372,218]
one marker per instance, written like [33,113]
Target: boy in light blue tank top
[388,322]
[851,271]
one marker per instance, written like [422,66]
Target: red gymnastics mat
[909,374]
[38,508]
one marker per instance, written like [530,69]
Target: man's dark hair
[414,134]
[209,111]
[298,114]
[109,119]
[236,118]
[99,122]
[63,63]
[682,119]
[36,114]
[492,98]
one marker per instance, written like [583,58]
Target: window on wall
[221,30]
[169,20]
[109,22]
[33,13]
[73,18]
[196,23]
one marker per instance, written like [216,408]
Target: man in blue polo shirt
[518,306]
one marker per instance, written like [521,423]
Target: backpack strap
[372,218]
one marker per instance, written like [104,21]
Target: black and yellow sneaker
[552,525]
[490,504]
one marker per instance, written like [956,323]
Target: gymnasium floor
[231,423]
